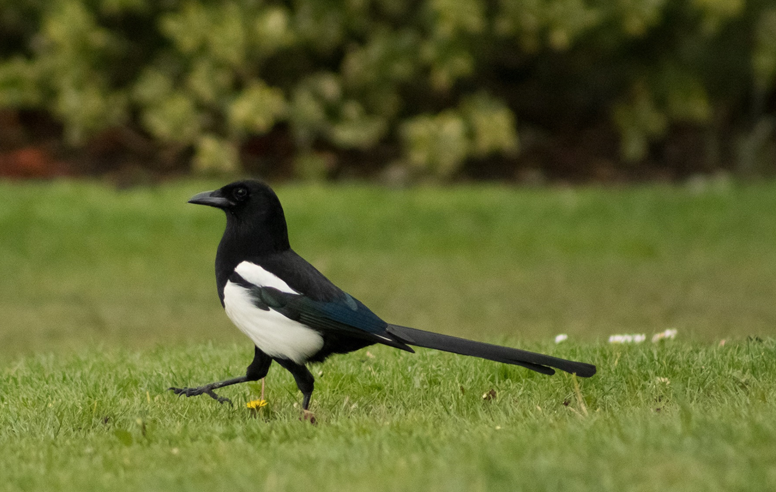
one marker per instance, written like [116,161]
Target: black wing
[300,275]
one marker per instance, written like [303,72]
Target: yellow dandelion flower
[256,404]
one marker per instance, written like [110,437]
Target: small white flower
[561,338]
[663,380]
[635,338]
[669,334]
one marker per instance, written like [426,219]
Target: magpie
[294,315]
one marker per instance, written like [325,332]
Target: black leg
[257,370]
[260,365]
[304,380]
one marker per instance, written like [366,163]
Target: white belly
[273,333]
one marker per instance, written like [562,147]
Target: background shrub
[441,87]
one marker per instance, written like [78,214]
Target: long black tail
[530,360]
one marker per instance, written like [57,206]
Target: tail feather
[531,360]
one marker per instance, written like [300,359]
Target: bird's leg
[306,413]
[306,401]
[262,389]
[208,389]
[257,370]
[305,382]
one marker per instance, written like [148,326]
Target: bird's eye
[240,193]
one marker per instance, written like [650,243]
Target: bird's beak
[211,199]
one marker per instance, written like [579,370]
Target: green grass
[82,263]
[108,297]
[102,421]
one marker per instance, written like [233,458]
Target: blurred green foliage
[443,80]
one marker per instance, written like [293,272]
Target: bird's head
[241,198]
[252,209]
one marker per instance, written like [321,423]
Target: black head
[255,218]
[238,198]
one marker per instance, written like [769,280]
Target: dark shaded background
[522,91]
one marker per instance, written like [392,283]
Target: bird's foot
[308,416]
[201,390]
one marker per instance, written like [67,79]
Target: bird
[294,315]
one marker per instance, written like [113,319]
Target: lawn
[108,297]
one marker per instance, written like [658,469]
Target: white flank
[273,333]
[256,275]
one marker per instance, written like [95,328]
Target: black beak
[211,199]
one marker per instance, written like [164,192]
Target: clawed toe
[187,391]
[219,399]
[200,391]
